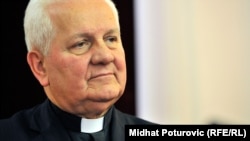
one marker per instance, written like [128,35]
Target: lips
[101,75]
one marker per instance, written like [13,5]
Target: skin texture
[84,72]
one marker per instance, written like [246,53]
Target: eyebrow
[111,31]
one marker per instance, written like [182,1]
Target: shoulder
[21,118]
[19,124]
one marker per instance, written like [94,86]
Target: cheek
[121,64]
[120,61]
[121,67]
[69,66]
[76,67]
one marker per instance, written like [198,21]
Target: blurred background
[188,61]
[193,61]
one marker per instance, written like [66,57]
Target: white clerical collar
[91,125]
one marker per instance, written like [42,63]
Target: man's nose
[102,54]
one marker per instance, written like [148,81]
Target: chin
[105,95]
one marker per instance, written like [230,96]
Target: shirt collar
[78,124]
[91,125]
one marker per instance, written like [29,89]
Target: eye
[82,44]
[80,47]
[111,41]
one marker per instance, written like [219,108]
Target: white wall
[193,61]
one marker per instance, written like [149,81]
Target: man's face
[86,63]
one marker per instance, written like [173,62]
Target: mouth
[102,75]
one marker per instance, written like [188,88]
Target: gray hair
[39,28]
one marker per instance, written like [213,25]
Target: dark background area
[19,88]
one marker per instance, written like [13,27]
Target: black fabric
[76,136]
[69,121]
[99,136]
[72,124]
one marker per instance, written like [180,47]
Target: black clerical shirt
[72,124]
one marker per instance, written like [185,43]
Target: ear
[36,63]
